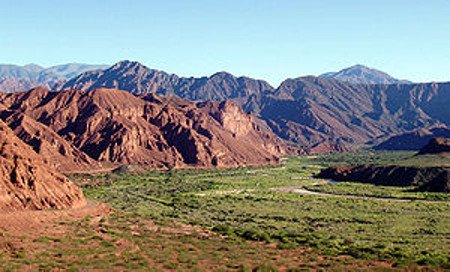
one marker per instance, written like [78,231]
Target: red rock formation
[27,183]
[116,126]
[52,148]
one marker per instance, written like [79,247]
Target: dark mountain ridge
[139,79]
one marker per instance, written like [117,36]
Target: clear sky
[272,40]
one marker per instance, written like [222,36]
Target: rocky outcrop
[117,127]
[425,178]
[436,146]
[28,183]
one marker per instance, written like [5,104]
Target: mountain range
[139,79]
[311,110]
[355,107]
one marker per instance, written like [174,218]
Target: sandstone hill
[53,149]
[27,182]
[117,127]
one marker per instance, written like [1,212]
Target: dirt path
[303,191]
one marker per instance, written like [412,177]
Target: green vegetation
[243,203]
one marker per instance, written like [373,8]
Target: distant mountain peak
[360,74]
[33,66]
[221,74]
[129,64]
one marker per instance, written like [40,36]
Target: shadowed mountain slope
[326,113]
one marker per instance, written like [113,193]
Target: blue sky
[265,39]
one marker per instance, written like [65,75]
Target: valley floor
[238,219]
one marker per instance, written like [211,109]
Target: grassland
[251,224]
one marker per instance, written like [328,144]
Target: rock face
[437,146]
[434,179]
[117,127]
[359,74]
[138,79]
[27,183]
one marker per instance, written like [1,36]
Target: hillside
[52,148]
